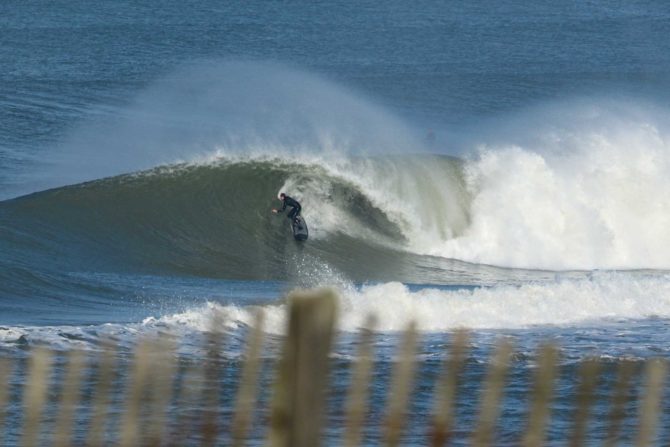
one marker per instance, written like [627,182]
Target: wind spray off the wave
[239,109]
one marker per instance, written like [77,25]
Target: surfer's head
[281,196]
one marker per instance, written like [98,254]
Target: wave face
[600,204]
[214,219]
[574,185]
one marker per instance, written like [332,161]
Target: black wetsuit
[295,211]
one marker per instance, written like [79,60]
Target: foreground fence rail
[167,402]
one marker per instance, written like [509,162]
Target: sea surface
[497,166]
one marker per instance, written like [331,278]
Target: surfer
[289,201]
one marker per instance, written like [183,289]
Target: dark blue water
[495,166]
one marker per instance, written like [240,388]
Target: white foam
[604,296]
[588,302]
[561,303]
[600,201]
[200,318]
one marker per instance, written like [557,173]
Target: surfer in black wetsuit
[289,201]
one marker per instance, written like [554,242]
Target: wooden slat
[211,397]
[357,397]
[70,394]
[100,401]
[135,388]
[622,391]
[447,386]
[541,396]
[585,397]
[492,390]
[402,383]
[162,367]
[248,385]
[5,375]
[299,400]
[650,413]
[35,394]
[187,399]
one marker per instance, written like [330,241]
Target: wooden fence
[154,392]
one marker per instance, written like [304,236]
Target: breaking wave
[577,185]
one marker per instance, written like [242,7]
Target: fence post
[622,388]
[247,388]
[588,375]
[492,391]
[160,389]
[541,396]
[443,419]
[135,392]
[101,400]
[5,375]
[401,387]
[299,400]
[35,394]
[211,397]
[357,398]
[651,402]
[69,398]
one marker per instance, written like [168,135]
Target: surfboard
[299,227]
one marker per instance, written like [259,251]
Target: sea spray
[602,201]
[246,107]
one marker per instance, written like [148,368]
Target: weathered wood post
[299,394]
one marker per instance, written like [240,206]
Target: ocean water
[497,167]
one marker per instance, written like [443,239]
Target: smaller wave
[602,297]
[622,304]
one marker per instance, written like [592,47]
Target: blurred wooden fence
[150,413]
